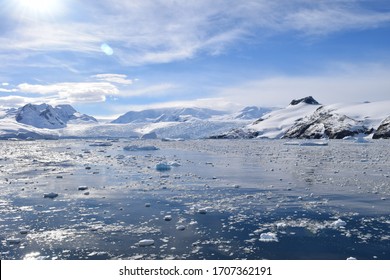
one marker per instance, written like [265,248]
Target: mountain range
[303,118]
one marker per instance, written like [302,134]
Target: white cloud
[7,90]
[14,101]
[114,78]
[72,92]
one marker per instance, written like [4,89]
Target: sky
[106,57]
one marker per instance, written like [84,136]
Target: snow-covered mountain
[302,118]
[307,118]
[39,121]
[167,115]
[46,116]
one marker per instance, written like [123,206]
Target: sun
[39,7]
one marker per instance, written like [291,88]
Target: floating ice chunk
[50,195]
[339,223]
[202,211]
[268,237]
[351,259]
[314,143]
[172,139]
[13,240]
[147,204]
[23,231]
[168,218]
[82,188]
[146,242]
[174,163]
[181,227]
[140,148]
[163,166]
[292,143]
[100,144]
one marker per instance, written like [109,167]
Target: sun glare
[39,7]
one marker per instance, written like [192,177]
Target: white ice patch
[140,148]
[268,237]
[339,223]
[146,242]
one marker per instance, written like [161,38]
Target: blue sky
[106,57]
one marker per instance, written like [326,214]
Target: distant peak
[308,100]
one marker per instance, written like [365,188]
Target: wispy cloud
[114,78]
[160,31]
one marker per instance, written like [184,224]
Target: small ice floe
[50,195]
[181,227]
[23,231]
[268,237]
[202,211]
[135,148]
[174,164]
[168,218]
[13,240]
[100,144]
[351,259]
[83,188]
[314,143]
[163,166]
[338,223]
[172,139]
[147,204]
[292,143]
[146,242]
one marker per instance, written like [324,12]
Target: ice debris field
[198,199]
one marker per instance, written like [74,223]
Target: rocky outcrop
[383,130]
[236,134]
[325,123]
[308,100]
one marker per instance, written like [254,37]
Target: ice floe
[339,223]
[268,237]
[134,148]
[50,195]
[145,242]
[163,166]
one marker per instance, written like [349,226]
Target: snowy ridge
[167,115]
[306,118]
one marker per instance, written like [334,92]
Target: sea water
[219,199]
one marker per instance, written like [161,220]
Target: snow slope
[167,115]
[276,123]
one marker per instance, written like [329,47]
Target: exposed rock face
[383,130]
[308,100]
[236,134]
[324,123]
